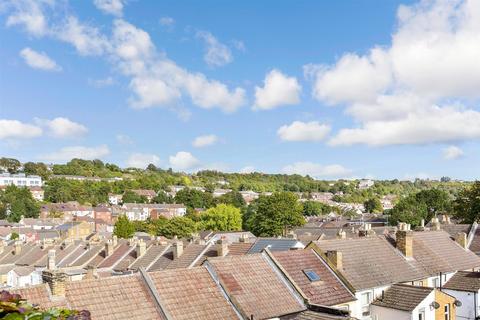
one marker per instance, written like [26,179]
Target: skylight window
[311,275]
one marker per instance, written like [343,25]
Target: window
[311,275]
[366,299]
[421,314]
[447,311]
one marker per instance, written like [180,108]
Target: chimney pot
[141,248]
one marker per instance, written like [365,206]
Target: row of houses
[405,274]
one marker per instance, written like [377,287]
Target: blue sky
[334,89]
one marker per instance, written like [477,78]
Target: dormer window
[311,275]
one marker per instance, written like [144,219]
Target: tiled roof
[74,253]
[403,297]
[39,295]
[371,262]
[239,248]
[34,255]
[188,257]
[191,294]
[23,270]
[453,229]
[91,253]
[274,244]
[149,257]
[257,289]
[162,261]
[475,245]
[116,256]
[121,297]
[436,252]
[312,315]
[464,281]
[10,257]
[328,291]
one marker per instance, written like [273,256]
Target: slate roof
[191,294]
[257,289]
[34,255]
[464,281]
[10,257]
[119,252]
[274,244]
[88,256]
[189,255]
[403,297]
[329,291]
[371,262]
[149,257]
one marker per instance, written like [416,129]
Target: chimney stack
[177,247]
[243,237]
[17,248]
[51,260]
[56,281]
[405,240]
[115,240]
[141,248]
[222,248]
[435,224]
[91,272]
[366,230]
[108,248]
[336,258]
[341,234]
[461,239]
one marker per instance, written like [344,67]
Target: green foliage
[421,205]
[132,197]
[467,203]
[274,215]
[315,208]
[162,197]
[10,164]
[373,205]
[124,228]
[38,168]
[233,198]
[178,226]
[17,202]
[193,198]
[63,190]
[14,236]
[13,307]
[222,218]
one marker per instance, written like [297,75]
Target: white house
[365,183]
[20,180]
[114,199]
[23,276]
[406,302]
[465,287]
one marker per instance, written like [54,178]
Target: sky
[334,89]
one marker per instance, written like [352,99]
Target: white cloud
[142,160]
[62,127]
[452,153]
[204,141]
[239,45]
[114,7]
[39,60]
[86,39]
[167,21]
[303,131]
[217,54]
[183,161]
[29,14]
[68,153]
[124,139]
[316,170]
[101,83]
[247,169]
[415,90]
[14,129]
[278,90]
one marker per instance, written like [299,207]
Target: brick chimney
[461,239]
[141,248]
[56,281]
[177,248]
[17,248]
[366,230]
[336,258]
[435,224]
[222,247]
[405,240]
[51,260]
[341,234]
[108,248]
[91,273]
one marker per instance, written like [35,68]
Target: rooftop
[464,281]
[403,297]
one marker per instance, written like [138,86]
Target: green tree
[193,198]
[274,215]
[131,197]
[233,197]
[14,236]
[223,217]
[373,205]
[38,168]
[124,228]
[17,202]
[10,164]
[315,208]
[178,226]
[467,203]
[162,197]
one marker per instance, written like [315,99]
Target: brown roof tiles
[403,297]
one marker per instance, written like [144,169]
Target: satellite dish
[435,305]
[457,303]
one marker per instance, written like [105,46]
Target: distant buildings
[20,180]
[365,183]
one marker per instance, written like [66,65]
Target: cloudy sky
[334,89]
